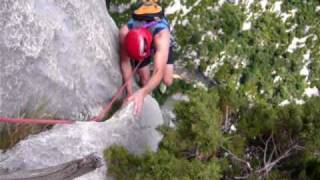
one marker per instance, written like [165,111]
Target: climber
[145,37]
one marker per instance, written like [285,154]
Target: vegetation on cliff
[258,120]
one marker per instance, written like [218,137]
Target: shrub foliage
[238,128]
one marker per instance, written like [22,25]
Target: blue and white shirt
[154,28]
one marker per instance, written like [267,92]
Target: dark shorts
[148,60]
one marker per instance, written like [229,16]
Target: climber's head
[138,43]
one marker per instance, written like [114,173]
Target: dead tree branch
[270,165]
[66,171]
[237,158]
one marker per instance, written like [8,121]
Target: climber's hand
[138,99]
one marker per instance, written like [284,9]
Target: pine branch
[266,149]
[237,158]
[270,165]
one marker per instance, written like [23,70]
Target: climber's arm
[162,43]
[125,65]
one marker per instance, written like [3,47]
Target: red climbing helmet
[138,43]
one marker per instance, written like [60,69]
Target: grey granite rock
[167,108]
[63,55]
[64,143]
[58,54]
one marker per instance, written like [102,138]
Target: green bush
[196,148]
[189,152]
[247,97]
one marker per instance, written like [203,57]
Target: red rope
[108,107]
[100,116]
[36,121]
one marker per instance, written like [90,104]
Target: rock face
[57,54]
[167,108]
[68,142]
[62,56]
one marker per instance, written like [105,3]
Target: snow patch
[220,31]
[246,26]
[315,38]
[284,103]
[314,91]
[233,128]
[235,2]
[180,97]
[277,79]
[299,101]
[293,27]
[250,97]
[184,22]
[285,16]
[193,53]
[238,85]
[239,62]
[296,101]
[177,6]
[210,69]
[209,72]
[305,71]
[263,4]
[196,61]
[174,7]
[306,29]
[209,7]
[208,34]
[188,10]
[276,8]
[297,43]
[248,3]
[200,85]
[221,2]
